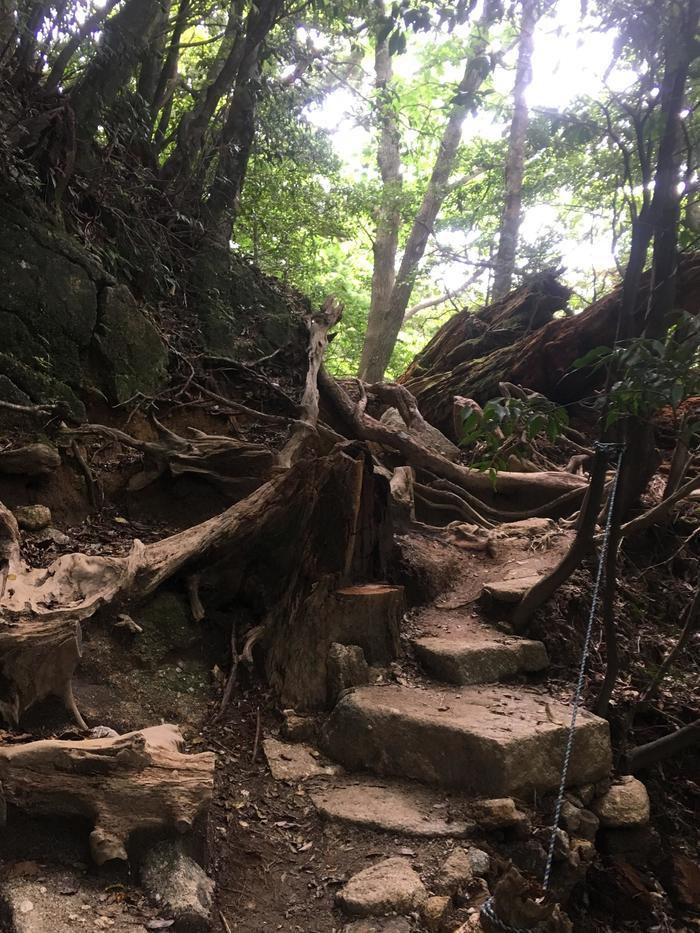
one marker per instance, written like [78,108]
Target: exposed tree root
[32,460]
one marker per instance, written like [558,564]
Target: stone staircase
[455,725]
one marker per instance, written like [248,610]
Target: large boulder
[624,806]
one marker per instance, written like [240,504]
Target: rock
[176,881]
[509,591]
[470,661]
[588,825]
[390,886]
[499,813]
[424,432]
[347,667]
[625,805]
[480,862]
[435,913]
[484,740]
[455,873]
[584,848]
[586,793]
[394,925]
[298,728]
[294,762]
[50,536]
[396,808]
[132,356]
[32,517]
[570,816]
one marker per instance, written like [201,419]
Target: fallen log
[324,515]
[138,781]
[461,362]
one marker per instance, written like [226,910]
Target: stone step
[487,741]
[393,807]
[479,660]
[509,591]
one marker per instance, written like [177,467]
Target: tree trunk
[383,328]
[71,47]
[515,160]
[165,88]
[126,37]
[386,238]
[459,360]
[239,129]
[8,9]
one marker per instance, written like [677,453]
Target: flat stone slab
[295,762]
[487,741]
[509,591]
[479,660]
[389,807]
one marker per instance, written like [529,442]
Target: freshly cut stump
[140,780]
[488,741]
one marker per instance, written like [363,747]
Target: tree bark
[71,47]
[7,25]
[126,37]
[386,239]
[515,160]
[383,327]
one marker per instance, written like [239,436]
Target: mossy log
[138,781]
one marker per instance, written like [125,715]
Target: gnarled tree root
[141,780]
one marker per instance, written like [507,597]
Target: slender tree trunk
[167,80]
[71,47]
[239,129]
[152,60]
[191,132]
[383,326]
[515,160]
[8,9]
[386,240]
[126,37]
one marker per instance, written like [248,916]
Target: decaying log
[31,460]
[534,488]
[237,467]
[473,352]
[139,781]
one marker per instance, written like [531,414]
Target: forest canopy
[411,158]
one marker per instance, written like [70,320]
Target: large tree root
[32,460]
[514,487]
[235,466]
[139,781]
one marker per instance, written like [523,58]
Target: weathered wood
[31,460]
[139,781]
[473,352]
[236,467]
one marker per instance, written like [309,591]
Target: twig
[93,490]
[257,734]
[225,923]
[233,673]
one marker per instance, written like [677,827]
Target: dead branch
[660,511]
[319,325]
[233,465]
[644,756]
[547,485]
